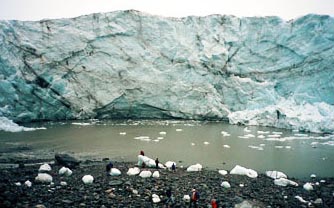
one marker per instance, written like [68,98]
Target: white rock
[241,185]
[65,171]
[133,171]
[194,168]
[156,174]
[239,170]
[186,198]
[284,182]
[43,178]
[222,172]
[63,183]
[274,174]
[87,179]
[45,167]
[145,174]
[18,183]
[225,184]
[115,172]
[28,183]
[308,186]
[155,198]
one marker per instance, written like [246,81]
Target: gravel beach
[134,191]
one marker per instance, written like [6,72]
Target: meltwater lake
[215,145]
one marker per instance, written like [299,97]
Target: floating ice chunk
[226,146]
[322,181]
[225,134]
[222,172]
[279,147]
[115,172]
[169,164]
[313,176]
[308,186]
[301,199]
[43,178]
[81,124]
[262,145]
[194,168]
[63,183]
[155,198]
[10,126]
[243,137]
[122,133]
[193,144]
[246,129]
[277,132]
[44,168]
[65,171]
[239,170]
[330,143]
[133,171]
[225,184]
[255,147]
[178,130]
[276,139]
[186,198]
[284,182]
[143,138]
[145,174]
[28,183]
[274,135]
[261,137]
[162,133]
[87,179]
[301,135]
[249,135]
[263,132]
[287,147]
[156,140]
[274,174]
[206,143]
[160,138]
[156,174]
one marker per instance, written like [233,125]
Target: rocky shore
[134,191]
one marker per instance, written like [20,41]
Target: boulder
[66,160]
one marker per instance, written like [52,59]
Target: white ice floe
[226,146]
[44,168]
[156,174]
[279,147]
[81,124]
[262,145]
[160,138]
[274,174]
[284,182]
[277,132]
[186,198]
[145,174]
[10,126]
[194,168]
[261,136]
[115,172]
[169,164]
[122,133]
[274,135]
[263,132]
[246,129]
[225,184]
[28,183]
[225,134]
[155,198]
[43,178]
[162,133]
[330,143]
[193,144]
[287,147]
[239,170]
[65,171]
[178,130]
[87,179]
[206,143]
[222,172]
[133,171]
[143,138]
[313,176]
[308,186]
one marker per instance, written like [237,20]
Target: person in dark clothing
[156,163]
[170,198]
[108,167]
[142,153]
[194,198]
[173,167]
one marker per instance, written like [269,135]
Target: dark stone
[66,160]
[115,183]
[66,201]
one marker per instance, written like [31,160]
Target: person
[173,167]
[142,153]
[214,203]
[194,198]
[170,198]
[108,167]
[156,163]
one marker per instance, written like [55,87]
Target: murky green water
[186,142]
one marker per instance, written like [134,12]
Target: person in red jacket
[194,198]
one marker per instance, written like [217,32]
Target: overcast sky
[50,9]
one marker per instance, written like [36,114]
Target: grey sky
[43,9]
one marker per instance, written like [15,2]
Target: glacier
[128,64]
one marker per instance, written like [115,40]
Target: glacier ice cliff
[127,64]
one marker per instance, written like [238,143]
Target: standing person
[108,167]
[170,198]
[194,198]
[214,203]
[142,153]
[173,167]
[156,163]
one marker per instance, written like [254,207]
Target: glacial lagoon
[215,145]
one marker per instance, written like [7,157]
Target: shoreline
[134,191]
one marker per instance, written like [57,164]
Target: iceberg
[239,170]
[251,70]
[194,168]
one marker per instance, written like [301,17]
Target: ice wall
[129,64]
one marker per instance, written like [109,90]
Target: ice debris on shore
[10,126]
[274,174]
[308,186]
[43,178]
[44,168]
[194,168]
[169,164]
[155,198]
[133,171]
[156,174]
[284,182]
[239,170]
[145,174]
[115,172]
[28,183]
[222,172]
[87,179]
[225,184]
[149,162]
[65,171]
